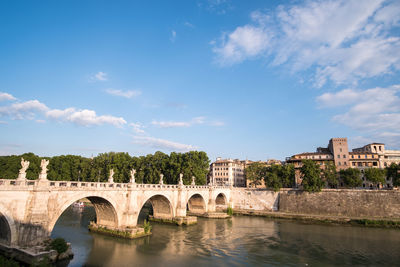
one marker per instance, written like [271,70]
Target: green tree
[375,175]
[287,175]
[255,172]
[330,175]
[351,177]
[393,172]
[311,175]
[273,179]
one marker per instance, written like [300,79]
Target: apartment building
[231,171]
[372,155]
[227,172]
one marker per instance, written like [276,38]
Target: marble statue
[161,178]
[22,171]
[193,180]
[43,172]
[181,179]
[111,177]
[132,181]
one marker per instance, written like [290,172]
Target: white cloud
[6,96]
[100,76]
[33,108]
[171,124]
[84,117]
[375,112]
[126,94]
[137,127]
[173,36]
[341,41]
[162,144]
[175,124]
[243,43]
[23,110]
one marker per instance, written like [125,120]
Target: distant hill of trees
[148,168]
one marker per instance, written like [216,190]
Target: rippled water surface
[240,241]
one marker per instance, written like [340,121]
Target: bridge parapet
[13,184]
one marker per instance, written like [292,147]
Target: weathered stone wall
[348,203]
[254,199]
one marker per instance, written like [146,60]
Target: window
[374,164]
[352,156]
[344,156]
[340,150]
[359,156]
[365,156]
[345,163]
[338,156]
[354,164]
[340,163]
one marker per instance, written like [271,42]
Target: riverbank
[35,255]
[361,221]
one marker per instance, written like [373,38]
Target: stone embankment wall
[328,202]
[346,203]
[254,199]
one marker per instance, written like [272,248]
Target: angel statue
[132,181]
[111,177]
[22,171]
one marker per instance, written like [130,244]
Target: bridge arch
[162,206]
[196,203]
[8,231]
[105,208]
[221,202]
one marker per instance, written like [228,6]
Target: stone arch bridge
[29,209]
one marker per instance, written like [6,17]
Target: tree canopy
[351,177]
[148,168]
[375,175]
[311,175]
[393,172]
[274,176]
[329,174]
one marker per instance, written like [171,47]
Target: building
[227,172]
[372,155]
[231,171]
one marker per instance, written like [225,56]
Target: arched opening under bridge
[196,204]
[220,202]
[157,206]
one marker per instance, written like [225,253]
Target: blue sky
[237,79]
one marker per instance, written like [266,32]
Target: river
[240,241]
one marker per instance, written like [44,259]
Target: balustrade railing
[92,185]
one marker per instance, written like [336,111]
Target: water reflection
[241,241]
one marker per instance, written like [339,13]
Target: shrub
[229,211]
[8,262]
[147,227]
[59,245]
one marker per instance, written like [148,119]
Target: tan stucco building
[372,155]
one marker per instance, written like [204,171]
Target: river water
[240,241]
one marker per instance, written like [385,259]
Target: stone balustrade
[93,185]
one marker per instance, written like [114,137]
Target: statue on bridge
[22,171]
[161,178]
[43,172]
[132,181]
[181,179]
[111,177]
[193,180]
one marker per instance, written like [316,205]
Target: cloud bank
[341,41]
